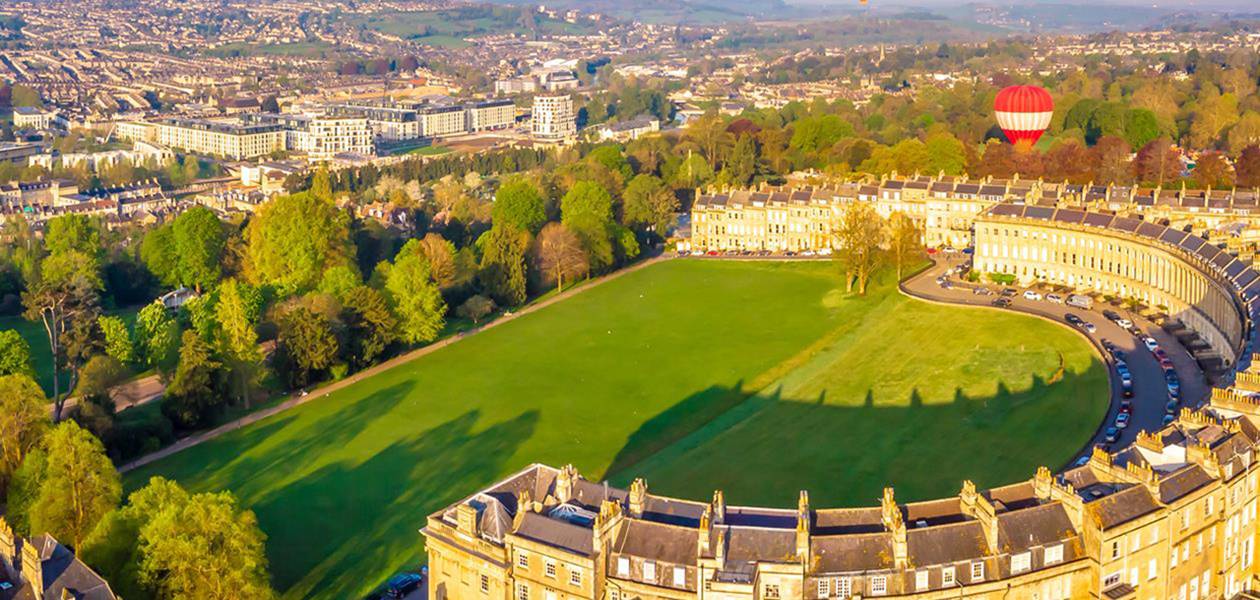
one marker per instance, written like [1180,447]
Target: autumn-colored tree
[1114,165]
[1157,163]
[1071,161]
[559,255]
[905,241]
[1247,167]
[858,242]
[1212,171]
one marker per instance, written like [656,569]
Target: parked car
[1080,462]
[1054,298]
[1125,323]
[401,585]
[1151,344]
[1122,420]
[1031,295]
[1119,354]
[980,291]
[1001,302]
[1080,301]
[1111,435]
[1111,315]
[1073,319]
[1126,406]
[1171,407]
[1126,389]
[1168,419]
[1008,292]
[1090,327]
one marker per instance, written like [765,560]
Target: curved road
[1150,394]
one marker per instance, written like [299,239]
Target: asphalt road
[1150,393]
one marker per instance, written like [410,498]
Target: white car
[1031,295]
[1125,323]
[1054,298]
[1151,344]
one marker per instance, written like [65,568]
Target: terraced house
[1171,517]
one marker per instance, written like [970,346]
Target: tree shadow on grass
[342,530]
[845,453]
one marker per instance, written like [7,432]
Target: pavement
[1150,394]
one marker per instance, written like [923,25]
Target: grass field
[619,379]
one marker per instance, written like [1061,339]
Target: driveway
[1150,394]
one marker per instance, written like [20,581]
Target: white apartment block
[490,115]
[235,141]
[326,137]
[438,121]
[554,118]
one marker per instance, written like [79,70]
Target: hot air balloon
[1023,112]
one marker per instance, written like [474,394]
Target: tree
[558,254]
[812,134]
[78,486]
[503,273]
[415,296]
[307,346]
[1114,165]
[1157,162]
[23,421]
[905,241]
[370,325]
[693,172]
[1212,171]
[518,203]
[293,239]
[650,205]
[587,211]
[339,280]
[195,394]
[443,266]
[945,154]
[15,354]
[321,185]
[157,251]
[858,240]
[1141,127]
[237,340]
[742,164]
[198,243]
[1247,168]
[1245,133]
[157,337]
[167,543]
[65,299]
[118,341]
[475,308]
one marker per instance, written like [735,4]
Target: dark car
[1008,292]
[401,585]
[1001,302]
[1111,434]
[1171,407]
[1111,315]
[1073,319]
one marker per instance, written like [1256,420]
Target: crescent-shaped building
[1172,516]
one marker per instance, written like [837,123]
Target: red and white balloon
[1023,112]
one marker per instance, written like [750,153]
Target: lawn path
[298,399]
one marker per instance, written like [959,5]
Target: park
[758,377]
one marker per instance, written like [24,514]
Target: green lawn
[636,368]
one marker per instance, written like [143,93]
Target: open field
[614,378]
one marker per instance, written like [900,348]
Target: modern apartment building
[490,115]
[387,123]
[437,121]
[554,118]
[233,140]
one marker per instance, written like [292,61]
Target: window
[977,571]
[1172,559]
[550,569]
[824,588]
[649,570]
[947,576]
[575,576]
[1199,544]
[522,560]
[1111,580]
[843,588]
[920,580]
[1053,554]
[1205,584]
[1154,534]
[485,584]
[1207,507]
[1135,541]
[770,591]
[522,591]
[614,594]
[879,585]
[680,576]
[1021,562]
[623,567]
[1152,569]
[551,595]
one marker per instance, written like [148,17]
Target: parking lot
[1150,392]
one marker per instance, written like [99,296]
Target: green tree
[293,239]
[945,154]
[475,308]
[23,421]
[518,203]
[1140,127]
[370,325]
[157,337]
[650,205]
[167,543]
[693,172]
[65,299]
[157,251]
[307,346]
[73,233]
[321,185]
[742,164]
[118,339]
[196,392]
[415,296]
[586,210]
[339,280]
[198,244]
[1245,133]
[905,241]
[502,273]
[78,486]
[815,133]
[237,340]
[15,354]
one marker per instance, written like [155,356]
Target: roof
[656,541]
[946,544]
[847,553]
[1123,506]
[556,533]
